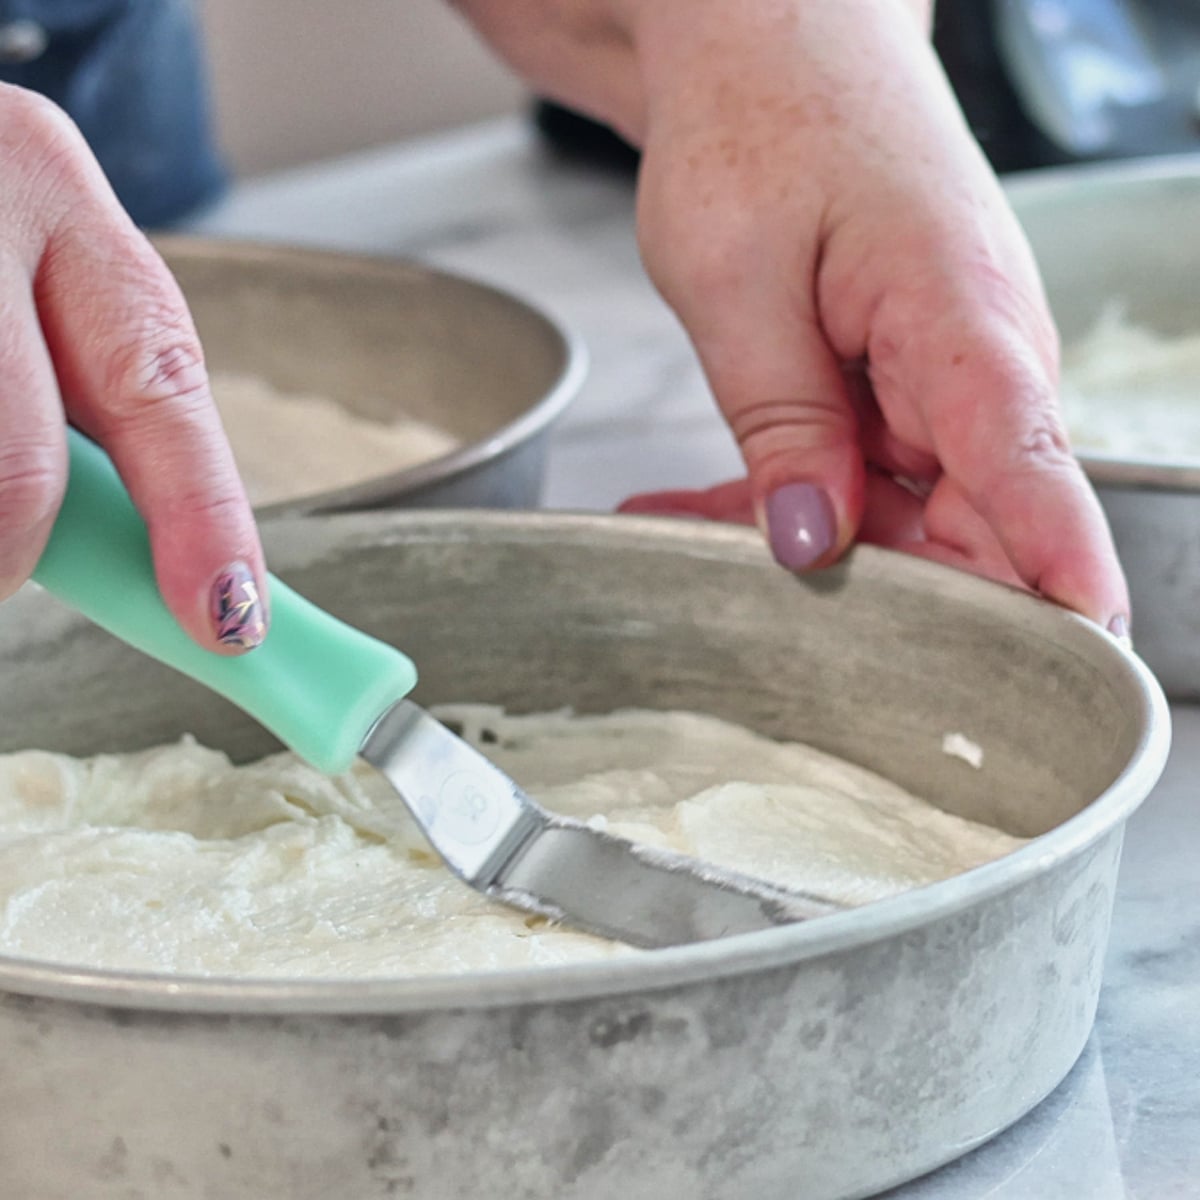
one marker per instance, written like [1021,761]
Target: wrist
[690,54]
[633,18]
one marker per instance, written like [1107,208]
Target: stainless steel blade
[498,840]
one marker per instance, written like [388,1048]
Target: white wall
[297,80]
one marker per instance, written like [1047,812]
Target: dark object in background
[1042,82]
[1064,81]
[963,36]
[580,138]
[131,74]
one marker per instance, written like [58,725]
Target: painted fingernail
[1119,628]
[801,525]
[237,612]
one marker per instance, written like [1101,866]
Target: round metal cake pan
[828,1060]
[386,338]
[1130,233]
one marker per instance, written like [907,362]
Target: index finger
[132,376]
[990,408]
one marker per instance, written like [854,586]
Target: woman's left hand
[865,306]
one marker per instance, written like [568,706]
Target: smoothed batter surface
[173,860]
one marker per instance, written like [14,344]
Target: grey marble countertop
[489,203]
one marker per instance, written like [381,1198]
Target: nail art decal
[237,608]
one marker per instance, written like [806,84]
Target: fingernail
[237,612]
[1119,628]
[801,525]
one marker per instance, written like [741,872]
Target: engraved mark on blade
[466,809]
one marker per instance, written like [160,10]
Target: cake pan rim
[1125,471]
[664,969]
[533,422]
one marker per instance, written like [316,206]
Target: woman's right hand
[95,332]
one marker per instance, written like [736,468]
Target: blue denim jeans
[132,75]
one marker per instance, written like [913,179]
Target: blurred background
[1042,81]
[299,80]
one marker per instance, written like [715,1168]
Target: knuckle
[31,112]
[222,506]
[31,482]
[39,135]
[160,368]
[1043,445]
[1036,436]
[171,369]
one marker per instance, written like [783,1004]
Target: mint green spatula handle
[316,683]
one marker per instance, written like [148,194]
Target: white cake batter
[1130,392]
[172,860]
[288,446]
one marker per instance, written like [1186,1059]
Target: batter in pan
[173,860]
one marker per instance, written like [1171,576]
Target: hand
[96,332]
[863,301]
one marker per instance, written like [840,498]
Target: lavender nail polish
[237,609]
[801,525]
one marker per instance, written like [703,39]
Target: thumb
[786,401]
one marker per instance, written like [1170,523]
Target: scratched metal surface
[831,1060]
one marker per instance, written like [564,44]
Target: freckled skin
[812,205]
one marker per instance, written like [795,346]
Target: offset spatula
[330,692]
